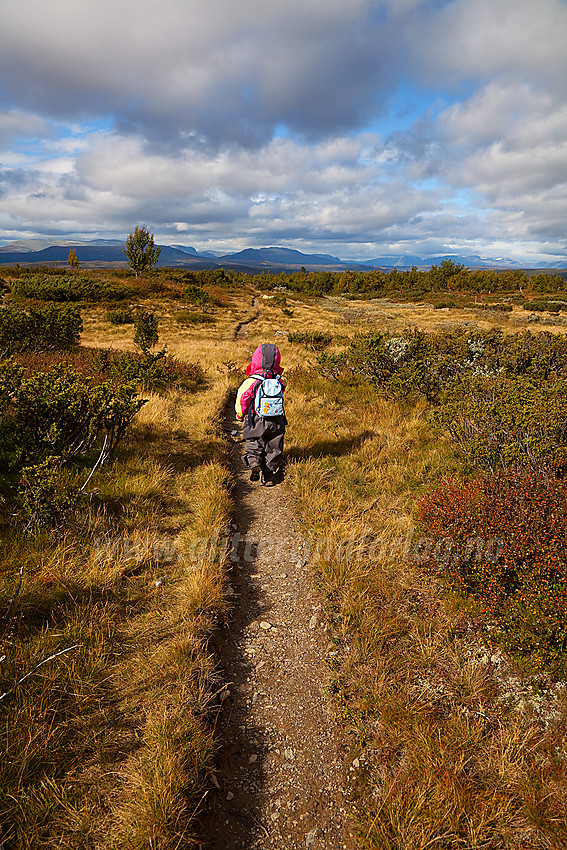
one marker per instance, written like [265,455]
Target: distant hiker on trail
[260,406]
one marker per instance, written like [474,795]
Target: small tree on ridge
[73,260]
[141,251]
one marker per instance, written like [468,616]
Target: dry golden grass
[396,317]
[448,757]
[108,746]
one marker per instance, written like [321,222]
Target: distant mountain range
[471,261]
[99,253]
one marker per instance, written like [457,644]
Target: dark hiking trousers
[264,439]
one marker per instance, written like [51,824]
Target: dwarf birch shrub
[188,317]
[151,372]
[523,589]
[433,364]
[62,413]
[398,365]
[74,288]
[47,328]
[44,500]
[503,423]
[121,316]
[146,324]
[47,420]
[545,305]
[196,295]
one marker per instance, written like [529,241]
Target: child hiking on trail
[259,405]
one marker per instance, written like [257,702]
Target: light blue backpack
[269,399]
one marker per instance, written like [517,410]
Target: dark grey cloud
[179,70]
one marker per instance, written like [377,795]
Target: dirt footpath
[281,770]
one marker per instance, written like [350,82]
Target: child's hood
[265,359]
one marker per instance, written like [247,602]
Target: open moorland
[425,479]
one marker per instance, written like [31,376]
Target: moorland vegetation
[428,419]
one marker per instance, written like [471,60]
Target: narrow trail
[240,329]
[281,769]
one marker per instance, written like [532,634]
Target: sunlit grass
[108,745]
[446,757]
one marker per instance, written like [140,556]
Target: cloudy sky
[354,127]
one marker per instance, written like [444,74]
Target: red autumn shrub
[525,588]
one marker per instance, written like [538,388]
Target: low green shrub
[217,277]
[44,500]
[75,287]
[545,305]
[195,294]
[39,328]
[151,372]
[398,365]
[146,324]
[59,414]
[445,304]
[504,423]
[120,316]
[314,339]
[433,364]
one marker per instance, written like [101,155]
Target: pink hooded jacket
[265,361]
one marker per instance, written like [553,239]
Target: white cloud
[326,188]
[192,96]
[507,145]
[126,166]
[15,124]
[510,39]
